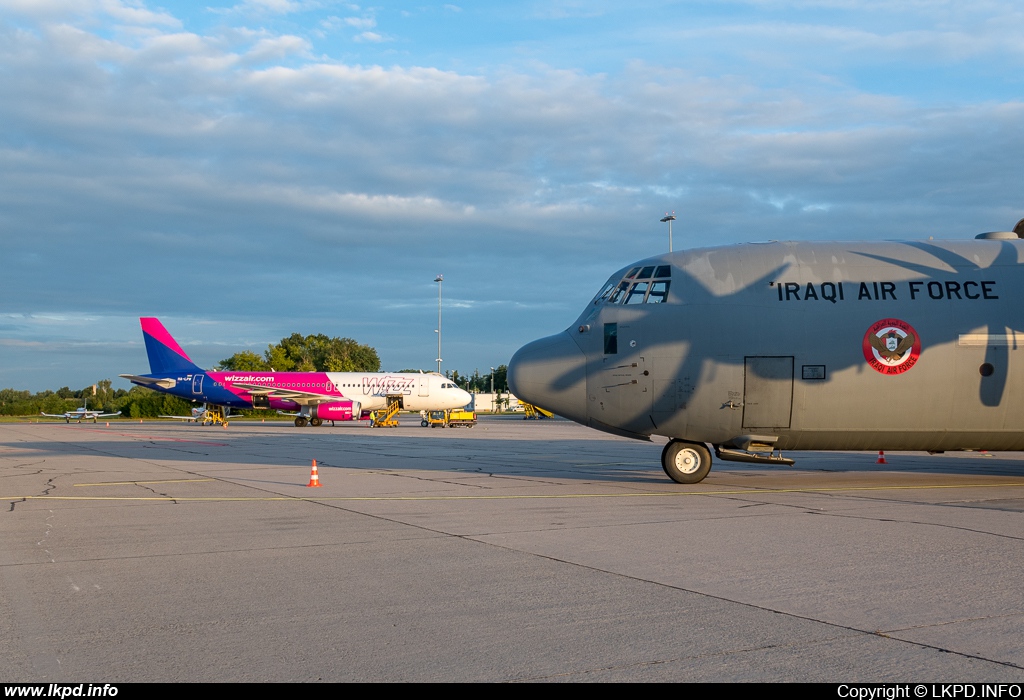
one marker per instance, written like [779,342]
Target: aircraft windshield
[640,285]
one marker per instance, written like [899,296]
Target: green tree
[245,361]
[309,353]
[104,394]
[278,359]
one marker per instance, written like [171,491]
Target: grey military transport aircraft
[757,348]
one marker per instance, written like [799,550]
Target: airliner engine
[335,410]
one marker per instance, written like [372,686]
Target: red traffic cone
[314,478]
[881,458]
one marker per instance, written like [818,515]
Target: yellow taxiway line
[508,497]
[138,483]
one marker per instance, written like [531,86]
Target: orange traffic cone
[314,478]
[881,458]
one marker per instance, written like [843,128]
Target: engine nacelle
[335,410]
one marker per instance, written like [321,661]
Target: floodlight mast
[669,218]
[439,279]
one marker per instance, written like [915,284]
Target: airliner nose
[551,373]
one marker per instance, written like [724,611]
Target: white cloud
[125,11]
[268,6]
[373,37]
[361,22]
[278,48]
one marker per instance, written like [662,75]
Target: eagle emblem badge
[891,346]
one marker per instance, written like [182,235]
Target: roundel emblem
[891,346]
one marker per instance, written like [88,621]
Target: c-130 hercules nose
[551,373]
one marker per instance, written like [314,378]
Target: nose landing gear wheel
[686,462]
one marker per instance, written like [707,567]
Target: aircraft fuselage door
[619,379]
[424,383]
[197,384]
[767,392]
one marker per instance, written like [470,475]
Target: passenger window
[659,292]
[611,339]
[637,293]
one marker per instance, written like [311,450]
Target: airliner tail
[165,355]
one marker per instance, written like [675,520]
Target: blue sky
[248,170]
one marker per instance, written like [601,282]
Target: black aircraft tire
[316,422]
[686,462]
[424,424]
[300,422]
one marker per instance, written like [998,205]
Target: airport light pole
[439,279]
[669,218]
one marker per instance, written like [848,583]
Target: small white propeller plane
[80,414]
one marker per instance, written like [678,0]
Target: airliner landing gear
[300,421]
[316,422]
[686,462]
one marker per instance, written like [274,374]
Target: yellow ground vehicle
[452,418]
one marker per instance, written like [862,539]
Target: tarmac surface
[512,551]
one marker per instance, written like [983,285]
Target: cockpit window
[658,293]
[640,285]
[619,292]
[605,291]
[637,293]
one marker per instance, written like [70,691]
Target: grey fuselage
[799,346]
